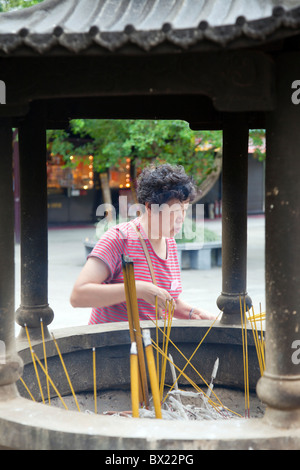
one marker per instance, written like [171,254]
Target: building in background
[75,192]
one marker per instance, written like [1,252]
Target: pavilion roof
[76,25]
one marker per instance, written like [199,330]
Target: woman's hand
[198,314]
[184,311]
[149,292]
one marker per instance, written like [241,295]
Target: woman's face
[166,219]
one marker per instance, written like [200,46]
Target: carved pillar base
[31,316]
[230,305]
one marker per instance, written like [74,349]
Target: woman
[165,191]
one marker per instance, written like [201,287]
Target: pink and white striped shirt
[123,239]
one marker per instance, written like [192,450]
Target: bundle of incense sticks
[258,335]
[134,325]
[44,368]
[245,357]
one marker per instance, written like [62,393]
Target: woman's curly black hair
[159,184]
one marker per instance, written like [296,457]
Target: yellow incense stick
[45,360]
[132,308]
[163,375]
[156,329]
[94,378]
[27,389]
[128,299]
[259,344]
[163,348]
[152,374]
[66,372]
[34,364]
[188,362]
[253,324]
[132,332]
[51,381]
[245,357]
[194,385]
[191,357]
[262,344]
[247,363]
[134,380]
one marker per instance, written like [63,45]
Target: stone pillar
[34,225]
[279,388]
[234,219]
[10,363]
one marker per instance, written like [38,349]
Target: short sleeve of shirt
[109,249]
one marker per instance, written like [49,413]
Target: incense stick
[45,360]
[259,342]
[27,389]
[194,385]
[191,357]
[156,329]
[192,366]
[152,373]
[34,364]
[165,345]
[51,381]
[94,379]
[245,358]
[133,312]
[134,380]
[66,372]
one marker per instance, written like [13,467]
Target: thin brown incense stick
[133,312]
[66,372]
[45,360]
[34,364]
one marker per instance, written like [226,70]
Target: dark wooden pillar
[10,363]
[34,224]
[280,386]
[234,219]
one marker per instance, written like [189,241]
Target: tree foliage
[111,141]
[143,141]
[8,5]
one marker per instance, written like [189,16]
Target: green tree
[8,5]
[144,142]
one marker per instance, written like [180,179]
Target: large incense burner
[76,429]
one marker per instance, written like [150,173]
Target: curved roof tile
[112,24]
